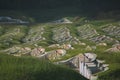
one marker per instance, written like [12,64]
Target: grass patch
[112,74]
[27,68]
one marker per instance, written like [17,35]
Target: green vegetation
[12,35]
[113,59]
[27,68]
[112,74]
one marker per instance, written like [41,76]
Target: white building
[89,66]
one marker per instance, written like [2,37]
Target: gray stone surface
[112,30]
[37,52]
[55,54]
[115,48]
[86,31]
[35,34]
[18,50]
[61,35]
[103,39]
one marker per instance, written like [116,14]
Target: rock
[36,45]
[25,50]
[18,50]
[88,48]
[116,45]
[17,55]
[102,44]
[54,46]
[55,54]
[61,35]
[86,31]
[61,52]
[37,52]
[66,46]
[75,40]
[35,34]
[83,44]
[93,47]
[103,39]
[115,48]
[112,30]
[13,50]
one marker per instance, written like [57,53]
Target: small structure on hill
[63,21]
[9,20]
[87,64]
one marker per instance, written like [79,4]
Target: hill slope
[12,68]
[67,39]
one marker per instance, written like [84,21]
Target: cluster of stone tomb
[87,64]
[38,52]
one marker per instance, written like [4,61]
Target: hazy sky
[44,4]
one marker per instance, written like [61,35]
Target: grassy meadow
[27,68]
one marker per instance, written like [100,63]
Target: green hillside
[12,68]
[99,34]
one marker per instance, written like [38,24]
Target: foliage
[27,68]
[112,74]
